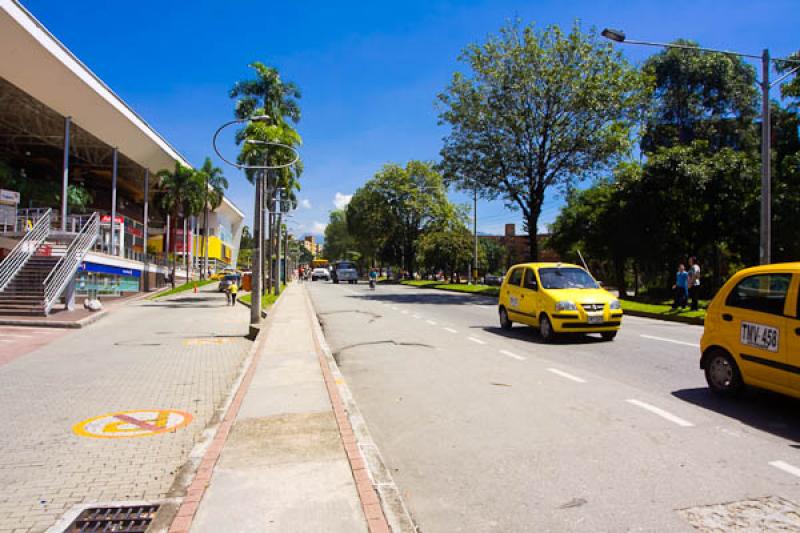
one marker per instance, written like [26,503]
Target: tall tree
[268,94]
[537,109]
[181,195]
[339,243]
[700,96]
[214,191]
[388,214]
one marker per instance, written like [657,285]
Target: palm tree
[215,186]
[268,94]
[180,195]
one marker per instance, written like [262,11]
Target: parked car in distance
[493,279]
[226,281]
[751,334]
[344,271]
[558,298]
[320,273]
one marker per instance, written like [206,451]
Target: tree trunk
[205,243]
[619,273]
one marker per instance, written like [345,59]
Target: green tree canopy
[536,110]
[700,96]
[338,242]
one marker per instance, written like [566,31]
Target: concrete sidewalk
[279,461]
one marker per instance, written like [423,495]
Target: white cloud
[319,227]
[305,203]
[341,200]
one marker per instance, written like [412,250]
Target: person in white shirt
[694,281]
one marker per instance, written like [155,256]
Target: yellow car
[752,331]
[557,298]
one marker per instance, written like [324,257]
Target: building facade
[70,147]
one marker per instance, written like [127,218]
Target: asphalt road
[488,430]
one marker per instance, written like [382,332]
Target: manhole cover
[131,519]
[770,513]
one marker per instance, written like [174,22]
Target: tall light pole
[765,245]
[255,305]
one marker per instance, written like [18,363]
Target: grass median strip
[189,285]
[486,290]
[662,310]
[266,301]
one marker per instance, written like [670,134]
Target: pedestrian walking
[694,282]
[234,288]
[681,287]
[228,295]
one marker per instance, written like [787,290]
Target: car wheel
[546,329]
[505,322]
[722,374]
[608,335]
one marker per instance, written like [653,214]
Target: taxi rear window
[763,292]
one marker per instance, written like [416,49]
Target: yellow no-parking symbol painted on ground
[127,424]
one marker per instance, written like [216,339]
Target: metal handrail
[24,249]
[62,273]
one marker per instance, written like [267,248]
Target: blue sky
[369,71]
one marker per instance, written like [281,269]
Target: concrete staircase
[24,295]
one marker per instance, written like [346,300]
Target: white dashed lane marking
[404,312]
[786,467]
[566,375]
[417,316]
[431,322]
[673,341]
[660,412]
[451,330]
[512,355]
[477,341]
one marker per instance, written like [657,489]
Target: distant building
[517,246]
[309,244]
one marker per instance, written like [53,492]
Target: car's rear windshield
[343,266]
[566,278]
[231,277]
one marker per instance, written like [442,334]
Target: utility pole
[255,277]
[765,249]
[475,229]
[278,210]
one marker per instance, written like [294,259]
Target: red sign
[106,219]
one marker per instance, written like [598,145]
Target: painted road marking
[660,412]
[662,339]
[127,424]
[563,374]
[416,316]
[431,322]
[404,312]
[478,341]
[394,308]
[6,340]
[206,341]
[786,467]
[451,330]
[13,336]
[512,355]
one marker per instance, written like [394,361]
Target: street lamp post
[765,247]
[255,304]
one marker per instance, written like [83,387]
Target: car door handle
[522,297]
[727,317]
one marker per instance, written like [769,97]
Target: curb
[380,497]
[204,456]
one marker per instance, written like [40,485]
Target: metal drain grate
[128,519]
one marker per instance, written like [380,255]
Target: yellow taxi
[752,331]
[557,298]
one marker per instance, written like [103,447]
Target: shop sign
[87,266]
[106,219]
[8,197]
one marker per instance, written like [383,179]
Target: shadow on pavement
[527,333]
[760,409]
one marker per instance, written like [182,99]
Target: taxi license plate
[595,319]
[760,336]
